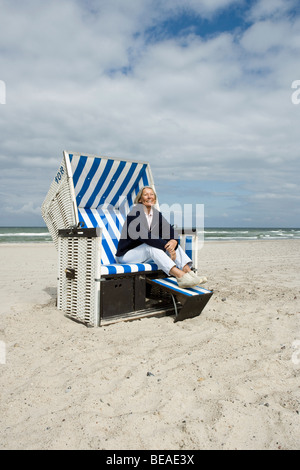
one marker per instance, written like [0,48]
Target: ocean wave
[33,234]
[40,234]
[231,234]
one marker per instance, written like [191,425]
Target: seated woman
[147,236]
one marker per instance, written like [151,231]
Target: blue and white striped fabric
[116,268]
[105,190]
[100,180]
[171,283]
[189,246]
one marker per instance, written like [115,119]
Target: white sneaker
[199,280]
[186,281]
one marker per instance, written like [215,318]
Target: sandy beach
[227,379]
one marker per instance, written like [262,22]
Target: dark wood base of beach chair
[192,307]
[188,303]
[120,295]
[129,297]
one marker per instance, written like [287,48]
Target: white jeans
[145,253]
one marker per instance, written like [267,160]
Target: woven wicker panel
[57,209]
[79,297]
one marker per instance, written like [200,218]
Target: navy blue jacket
[135,231]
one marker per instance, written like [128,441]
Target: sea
[41,234]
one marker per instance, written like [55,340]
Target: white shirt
[149,217]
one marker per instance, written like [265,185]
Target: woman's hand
[170,247]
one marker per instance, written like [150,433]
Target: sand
[228,379]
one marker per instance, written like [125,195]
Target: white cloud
[265,35]
[24,210]
[275,9]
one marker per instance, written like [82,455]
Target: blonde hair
[139,194]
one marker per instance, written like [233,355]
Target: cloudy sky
[202,89]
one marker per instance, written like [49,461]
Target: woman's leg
[180,268]
[139,254]
[145,253]
[162,259]
[186,263]
[183,261]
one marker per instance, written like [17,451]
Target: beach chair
[84,210]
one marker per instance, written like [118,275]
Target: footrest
[193,300]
